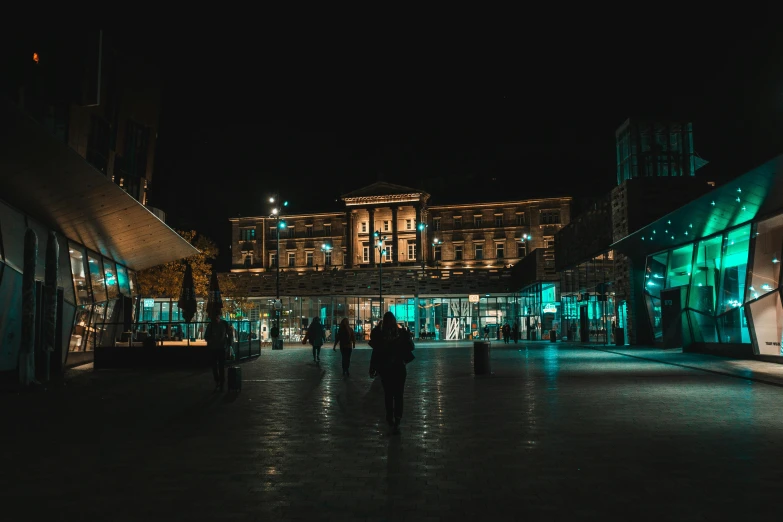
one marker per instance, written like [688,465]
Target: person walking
[486,332]
[218,340]
[392,350]
[515,332]
[347,341]
[315,335]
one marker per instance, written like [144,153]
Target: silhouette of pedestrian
[347,342]
[315,334]
[392,349]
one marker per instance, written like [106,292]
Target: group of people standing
[506,331]
[392,349]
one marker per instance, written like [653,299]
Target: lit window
[248,234]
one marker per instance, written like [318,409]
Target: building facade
[709,273]
[94,91]
[104,237]
[389,240]
[601,297]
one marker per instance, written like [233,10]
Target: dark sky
[532,114]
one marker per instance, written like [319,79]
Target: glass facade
[93,287]
[588,305]
[720,289]
[99,284]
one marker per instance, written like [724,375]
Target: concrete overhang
[757,193]
[45,179]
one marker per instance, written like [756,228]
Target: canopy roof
[754,194]
[45,179]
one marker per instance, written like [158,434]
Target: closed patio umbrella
[187,298]
[214,299]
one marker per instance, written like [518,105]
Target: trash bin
[481,357]
[619,336]
[552,336]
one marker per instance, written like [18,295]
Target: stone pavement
[559,432]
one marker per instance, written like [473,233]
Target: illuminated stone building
[434,260]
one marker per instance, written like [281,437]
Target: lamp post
[382,251]
[325,247]
[435,243]
[421,227]
[276,215]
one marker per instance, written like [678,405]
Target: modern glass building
[104,236]
[710,272]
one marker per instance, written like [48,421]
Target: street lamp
[421,227]
[435,243]
[325,247]
[276,215]
[379,244]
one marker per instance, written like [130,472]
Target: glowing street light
[379,244]
[275,213]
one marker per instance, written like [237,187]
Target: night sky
[479,120]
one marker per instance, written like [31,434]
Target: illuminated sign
[551,308]
[473,298]
[149,303]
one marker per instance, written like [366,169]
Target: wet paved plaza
[558,432]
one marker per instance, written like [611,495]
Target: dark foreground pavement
[558,433]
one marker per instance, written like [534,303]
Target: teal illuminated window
[679,273]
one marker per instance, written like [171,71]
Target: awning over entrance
[756,193]
[44,178]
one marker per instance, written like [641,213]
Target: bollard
[481,364]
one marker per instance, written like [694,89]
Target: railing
[246,343]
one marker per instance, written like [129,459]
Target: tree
[236,295]
[166,280]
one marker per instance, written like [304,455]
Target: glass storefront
[588,307]
[721,289]
[99,284]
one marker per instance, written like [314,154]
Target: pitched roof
[381,188]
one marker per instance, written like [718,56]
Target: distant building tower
[655,149]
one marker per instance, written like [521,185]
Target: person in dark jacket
[218,339]
[392,349]
[347,342]
[315,335]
